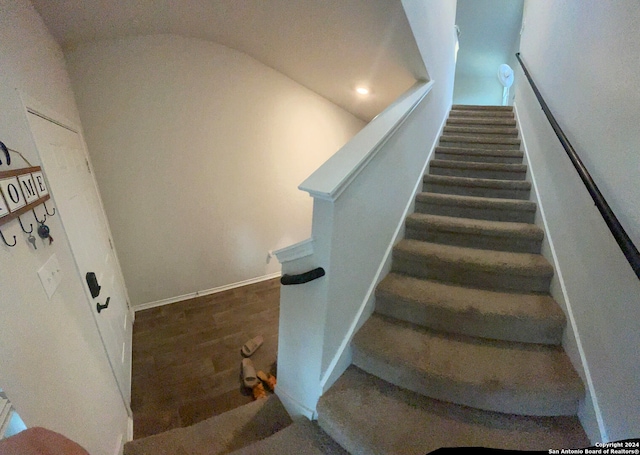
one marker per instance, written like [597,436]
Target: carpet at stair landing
[225,433]
[259,428]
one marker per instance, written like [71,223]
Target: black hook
[6,154]
[15,241]
[23,229]
[47,210]
[36,217]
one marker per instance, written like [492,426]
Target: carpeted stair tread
[478,129]
[479,143]
[301,438]
[367,415]
[487,183]
[485,269]
[500,376]
[473,233]
[480,113]
[502,121]
[520,168]
[527,318]
[502,171]
[479,155]
[467,186]
[493,140]
[479,107]
[476,207]
[220,434]
[482,152]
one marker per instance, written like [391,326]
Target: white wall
[432,24]
[52,363]
[583,55]
[489,33]
[198,151]
[473,89]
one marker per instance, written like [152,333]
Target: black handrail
[302,278]
[626,244]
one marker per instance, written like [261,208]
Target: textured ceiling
[329,46]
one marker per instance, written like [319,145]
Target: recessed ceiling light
[362,90]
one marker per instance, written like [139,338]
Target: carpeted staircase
[464,346]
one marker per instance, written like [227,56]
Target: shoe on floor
[249,377]
[252,345]
[268,379]
[258,391]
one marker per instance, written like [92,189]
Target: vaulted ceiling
[328,46]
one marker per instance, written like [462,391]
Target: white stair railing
[361,195]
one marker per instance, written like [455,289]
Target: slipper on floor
[252,345]
[268,379]
[258,391]
[249,377]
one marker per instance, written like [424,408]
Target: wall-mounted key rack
[22,190]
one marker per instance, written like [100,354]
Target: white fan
[505,76]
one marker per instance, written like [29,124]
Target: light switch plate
[50,275]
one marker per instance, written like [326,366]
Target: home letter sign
[20,191]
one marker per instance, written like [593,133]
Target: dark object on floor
[40,441]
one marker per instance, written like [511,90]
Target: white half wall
[198,151]
[582,55]
[52,362]
[357,217]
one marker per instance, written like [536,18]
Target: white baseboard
[129,428]
[293,406]
[565,295]
[226,287]
[119,450]
[342,364]
[330,375]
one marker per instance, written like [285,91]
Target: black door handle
[103,307]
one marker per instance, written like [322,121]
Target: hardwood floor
[186,355]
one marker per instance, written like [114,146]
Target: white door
[78,204]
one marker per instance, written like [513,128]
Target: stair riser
[488,397]
[502,193]
[434,268]
[477,173]
[470,323]
[445,142]
[517,216]
[479,158]
[481,114]
[474,240]
[497,132]
[471,121]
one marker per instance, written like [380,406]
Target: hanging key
[32,240]
[43,232]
